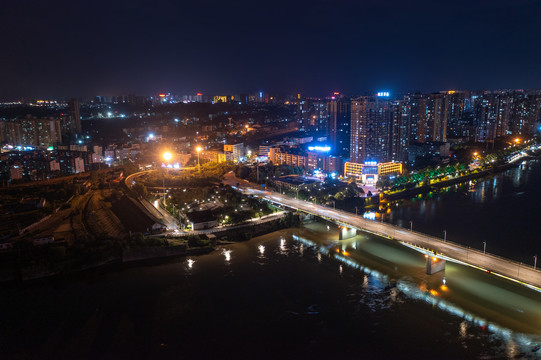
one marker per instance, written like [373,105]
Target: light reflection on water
[227,255]
[375,282]
[283,249]
[499,209]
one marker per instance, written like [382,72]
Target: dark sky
[89,47]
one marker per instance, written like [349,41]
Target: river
[503,211]
[301,293]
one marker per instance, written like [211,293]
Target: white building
[96,158]
[78,165]
[237,150]
[54,165]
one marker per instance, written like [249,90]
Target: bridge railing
[427,238]
[442,241]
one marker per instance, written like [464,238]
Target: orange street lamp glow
[198,149]
[167,156]
[517,140]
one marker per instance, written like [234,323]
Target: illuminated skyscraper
[371,129]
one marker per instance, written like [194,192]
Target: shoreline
[19,274]
[462,179]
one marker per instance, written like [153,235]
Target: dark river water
[504,211]
[302,294]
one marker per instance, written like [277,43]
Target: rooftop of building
[295,180]
[201,216]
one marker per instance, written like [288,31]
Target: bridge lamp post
[484,247]
[535,262]
[411,226]
[356,211]
[444,235]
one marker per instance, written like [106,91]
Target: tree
[351,191]
[384,182]
[140,189]
[244,172]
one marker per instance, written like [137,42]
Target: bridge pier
[346,233]
[434,265]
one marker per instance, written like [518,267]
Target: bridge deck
[500,266]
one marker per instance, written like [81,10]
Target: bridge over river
[435,249]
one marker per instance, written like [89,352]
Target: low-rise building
[202,219]
[370,171]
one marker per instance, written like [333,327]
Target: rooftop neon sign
[319,148]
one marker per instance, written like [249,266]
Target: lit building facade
[370,171]
[371,129]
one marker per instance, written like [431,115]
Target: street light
[198,149]
[166,156]
[411,226]
[444,235]
[535,261]
[484,247]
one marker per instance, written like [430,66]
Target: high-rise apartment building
[74,116]
[371,129]
[418,123]
[436,118]
[455,103]
[36,132]
[339,126]
[312,115]
[525,113]
[400,130]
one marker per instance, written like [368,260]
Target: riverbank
[19,272]
[408,193]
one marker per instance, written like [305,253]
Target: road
[156,212]
[506,268]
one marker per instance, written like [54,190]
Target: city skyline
[302,179]
[76,50]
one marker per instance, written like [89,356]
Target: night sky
[85,48]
